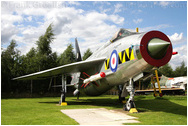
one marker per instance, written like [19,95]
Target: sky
[93,23]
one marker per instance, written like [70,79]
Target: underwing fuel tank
[156,48]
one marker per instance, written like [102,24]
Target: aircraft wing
[69,68]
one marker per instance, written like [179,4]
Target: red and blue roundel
[114,61]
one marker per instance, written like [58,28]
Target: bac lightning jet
[126,58]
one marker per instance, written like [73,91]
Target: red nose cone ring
[144,48]
[102,74]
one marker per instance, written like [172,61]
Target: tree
[31,61]
[43,59]
[67,56]
[166,70]
[181,70]
[10,65]
[87,54]
[46,59]
[14,65]
[43,44]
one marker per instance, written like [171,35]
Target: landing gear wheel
[129,105]
[155,95]
[161,95]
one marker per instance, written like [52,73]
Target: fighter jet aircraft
[126,58]
[173,83]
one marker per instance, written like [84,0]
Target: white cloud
[116,19]
[118,8]
[164,3]
[177,59]
[73,3]
[9,18]
[104,10]
[89,26]
[29,18]
[136,21]
[101,2]
[182,50]
[7,31]
[177,38]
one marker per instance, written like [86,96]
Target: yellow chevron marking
[132,55]
[107,64]
[122,57]
[127,53]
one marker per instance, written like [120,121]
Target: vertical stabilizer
[78,54]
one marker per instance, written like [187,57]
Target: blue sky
[93,23]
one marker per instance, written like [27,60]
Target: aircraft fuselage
[124,59]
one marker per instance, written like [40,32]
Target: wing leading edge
[69,68]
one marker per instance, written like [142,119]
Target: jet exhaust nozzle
[157,48]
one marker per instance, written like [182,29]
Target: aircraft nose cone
[157,48]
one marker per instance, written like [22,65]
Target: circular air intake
[156,48]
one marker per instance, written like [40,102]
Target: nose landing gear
[130,105]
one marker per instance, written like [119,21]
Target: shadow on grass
[106,102]
[49,102]
[161,104]
[142,104]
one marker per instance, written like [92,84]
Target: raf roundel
[114,61]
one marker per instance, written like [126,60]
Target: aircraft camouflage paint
[126,58]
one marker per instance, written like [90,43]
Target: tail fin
[78,54]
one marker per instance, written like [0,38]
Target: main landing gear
[63,91]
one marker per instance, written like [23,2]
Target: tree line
[167,70]
[13,64]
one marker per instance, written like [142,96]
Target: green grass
[33,111]
[169,110]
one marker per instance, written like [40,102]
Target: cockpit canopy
[121,34]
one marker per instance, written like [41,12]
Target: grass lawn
[169,110]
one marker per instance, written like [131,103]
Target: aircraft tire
[129,105]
